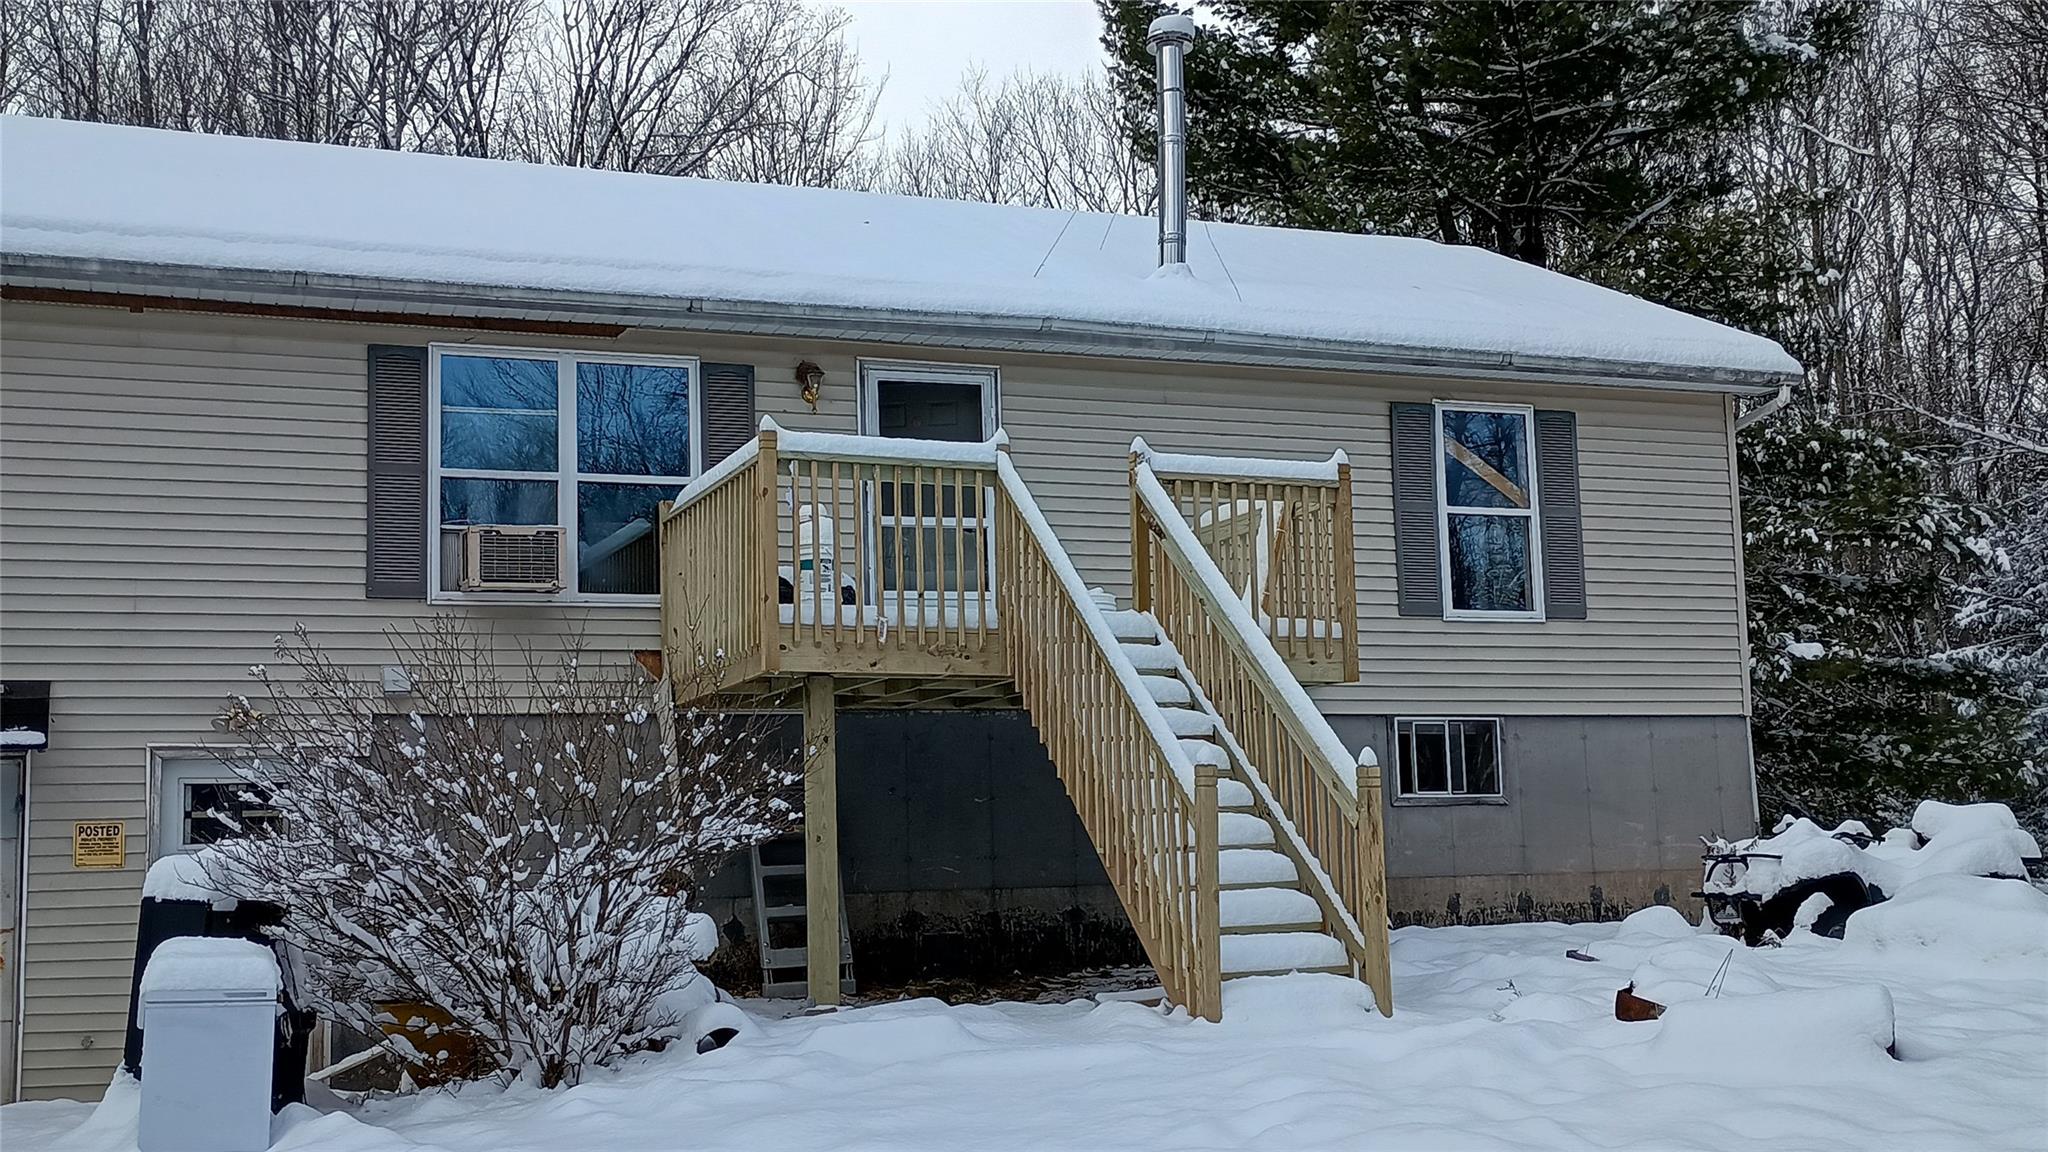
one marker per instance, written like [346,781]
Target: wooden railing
[1149,810]
[1280,532]
[1300,769]
[718,586]
[812,552]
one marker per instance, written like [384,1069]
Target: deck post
[1207,993]
[1372,861]
[821,840]
[1344,546]
[1141,545]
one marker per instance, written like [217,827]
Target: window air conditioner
[511,558]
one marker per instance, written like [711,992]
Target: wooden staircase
[1242,838]
[1269,922]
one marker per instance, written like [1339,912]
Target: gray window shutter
[728,410]
[1557,507]
[1418,572]
[395,567]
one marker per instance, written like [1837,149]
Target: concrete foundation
[962,856]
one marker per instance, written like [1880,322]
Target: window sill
[1495,617]
[540,599]
[1449,801]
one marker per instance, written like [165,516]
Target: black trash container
[165,919]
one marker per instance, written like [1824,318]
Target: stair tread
[1246,907]
[1254,866]
[1206,752]
[1229,793]
[1187,722]
[1128,625]
[1151,657]
[1242,830]
[1280,952]
[1167,690]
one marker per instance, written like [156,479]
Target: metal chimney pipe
[1168,38]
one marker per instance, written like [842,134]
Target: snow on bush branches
[1856,569]
[517,855]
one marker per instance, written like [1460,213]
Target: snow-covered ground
[1500,1041]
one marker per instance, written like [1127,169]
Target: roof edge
[428,301]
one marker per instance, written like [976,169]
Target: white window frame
[982,376]
[1500,768]
[1444,512]
[875,372]
[566,475]
[171,769]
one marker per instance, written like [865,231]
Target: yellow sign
[99,844]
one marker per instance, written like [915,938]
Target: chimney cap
[1170,29]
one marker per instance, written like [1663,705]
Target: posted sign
[99,844]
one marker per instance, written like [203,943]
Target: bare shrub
[518,855]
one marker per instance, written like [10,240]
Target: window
[1486,504]
[195,794]
[1445,758]
[592,443]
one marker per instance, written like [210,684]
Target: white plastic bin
[208,1018]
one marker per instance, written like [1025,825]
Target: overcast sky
[925,45]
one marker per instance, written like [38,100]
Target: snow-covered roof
[89,192]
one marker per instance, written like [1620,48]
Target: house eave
[428,302]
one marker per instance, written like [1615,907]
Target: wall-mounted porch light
[810,381]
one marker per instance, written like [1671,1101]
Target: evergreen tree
[1592,137]
[1856,569]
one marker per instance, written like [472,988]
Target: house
[1435,573]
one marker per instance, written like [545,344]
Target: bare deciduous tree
[518,856]
[761,89]
[1044,139]
[1918,175]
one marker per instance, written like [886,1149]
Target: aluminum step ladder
[781,922]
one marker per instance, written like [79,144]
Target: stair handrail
[1244,634]
[1351,783]
[1159,841]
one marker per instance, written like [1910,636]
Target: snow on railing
[1151,812]
[1076,590]
[1325,798]
[1281,533]
[1241,467]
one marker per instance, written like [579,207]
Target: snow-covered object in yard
[1936,821]
[210,964]
[207,1008]
[1704,967]
[1657,922]
[1945,839]
[107,193]
[1831,1033]
[181,876]
[1961,916]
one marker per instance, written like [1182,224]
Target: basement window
[203,802]
[1448,758]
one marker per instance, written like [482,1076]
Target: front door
[931,548]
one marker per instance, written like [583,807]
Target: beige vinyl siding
[1662,633]
[174,492]
[177,489]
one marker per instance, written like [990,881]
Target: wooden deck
[812,573]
